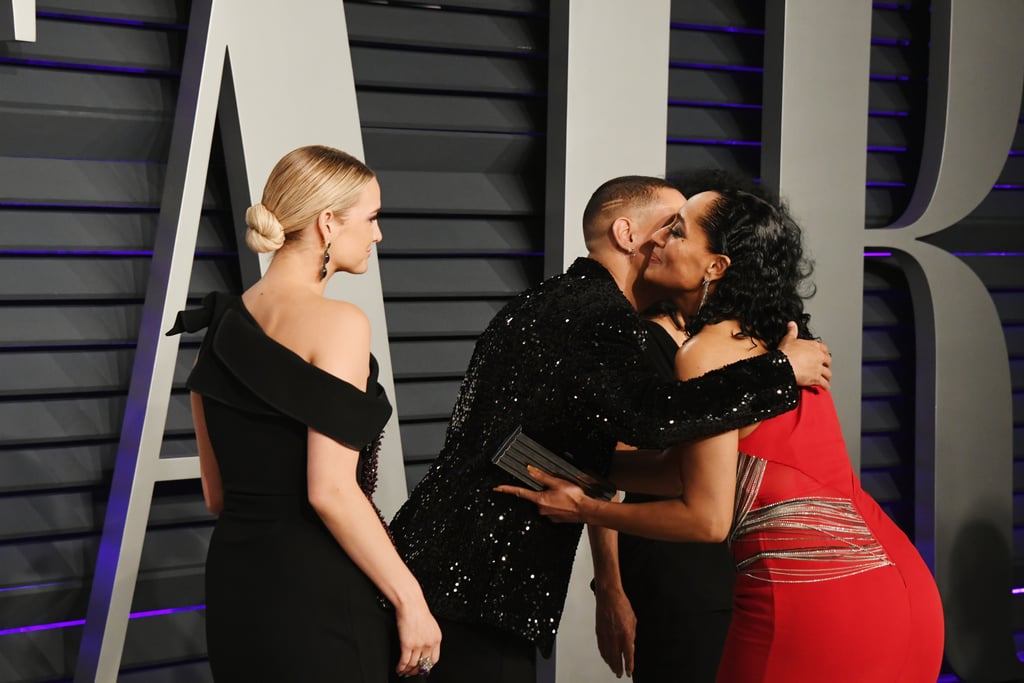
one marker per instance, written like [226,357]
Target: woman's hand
[561,502]
[420,639]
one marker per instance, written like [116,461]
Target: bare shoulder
[714,347]
[341,343]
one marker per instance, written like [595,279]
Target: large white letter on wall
[964,488]
[607,117]
[814,145]
[282,77]
[815,131]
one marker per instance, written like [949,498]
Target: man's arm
[620,393]
[614,617]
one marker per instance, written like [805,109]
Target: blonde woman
[288,416]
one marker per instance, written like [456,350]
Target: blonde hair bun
[265,231]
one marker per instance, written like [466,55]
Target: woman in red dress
[828,587]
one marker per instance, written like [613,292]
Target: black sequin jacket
[564,360]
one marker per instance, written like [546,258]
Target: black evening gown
[681,593]
[284,601]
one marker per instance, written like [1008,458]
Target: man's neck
[622,270]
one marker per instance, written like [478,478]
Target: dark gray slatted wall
[715,119]
[452,103]
[85,119]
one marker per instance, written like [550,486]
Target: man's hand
[811,361]
[616,630]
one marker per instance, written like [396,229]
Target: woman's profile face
[681,256]
[357,231]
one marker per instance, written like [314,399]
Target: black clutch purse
[518,450]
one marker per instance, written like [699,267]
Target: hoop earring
[705,283]
[327,259]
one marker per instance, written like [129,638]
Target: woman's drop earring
[704,296]
[327,259]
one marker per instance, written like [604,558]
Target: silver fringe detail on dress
[828,534]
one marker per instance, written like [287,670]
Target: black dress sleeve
[630,401]
[241,366]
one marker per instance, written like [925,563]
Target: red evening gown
[828,587]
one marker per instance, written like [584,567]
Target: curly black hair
[766,283]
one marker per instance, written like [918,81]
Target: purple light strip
[889,77]
[99,252]
[92,20]
[1007,186]
[758,107]
[716,67]
[728,143]
[713,105]
[986,254]
[889,5]
[86,67]
[894,42]
[879,183]
[81,622]
[116,21]
[717,29]
[885,148]
[30,586]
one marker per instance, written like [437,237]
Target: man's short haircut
[615,195]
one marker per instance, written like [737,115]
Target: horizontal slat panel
[419,400]
[33,515]
[66,466]
[439,318]
[888,131]
[889,60]
[454,235]
[64,559]
[154,11]
[888,379]
[735,13]
[29,373]
[411,360]
[887,344]
[888,96]
[684,158]
[718,48]
[430,193]
[59,90]
[69,324]
[884,415]
[423,440]
[87,277]
[890,25]
[884,450]
[67,420]
[416,277]
[95,231]
[57,182]
[424,26]
[483,153]
[721,87]
[468,112]
[86,134]
[44,655]
[708,123]
[119,46]
[413,70]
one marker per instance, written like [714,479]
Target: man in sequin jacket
[564,361]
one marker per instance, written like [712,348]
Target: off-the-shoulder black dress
[284,601]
